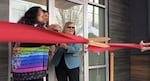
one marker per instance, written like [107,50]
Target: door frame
[86,66]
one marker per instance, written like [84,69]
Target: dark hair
[30,16]
[45,11]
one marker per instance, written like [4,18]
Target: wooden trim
[112,66]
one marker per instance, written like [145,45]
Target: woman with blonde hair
[67,59]
[56,28]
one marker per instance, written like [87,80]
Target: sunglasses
[70,27]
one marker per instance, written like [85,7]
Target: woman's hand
[145,49]
[144,46]
[63,45]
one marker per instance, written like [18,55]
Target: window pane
[69,12]
[96,27]
[98,1]
[96,22]
[96,59]
[97,74]
[19,7]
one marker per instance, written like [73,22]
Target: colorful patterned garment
[29,63]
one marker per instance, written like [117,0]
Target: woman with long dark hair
[31,63]
[33,16]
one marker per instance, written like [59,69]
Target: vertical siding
[140,27]
[4,10]
[139,22]
[3,61]
[4,15]
[119,32]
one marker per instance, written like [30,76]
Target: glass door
[62,12]
[96,28]
[90,17]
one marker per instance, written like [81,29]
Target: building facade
[93,18]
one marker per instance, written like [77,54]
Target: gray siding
[139,22]
[140,27]
[3,61]
[119,32]
[4,10]
[4,15]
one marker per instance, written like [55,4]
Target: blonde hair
[50,27]
[67,24]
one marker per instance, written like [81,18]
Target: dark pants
[63,73]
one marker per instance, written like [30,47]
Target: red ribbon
[114,46]
[12,32]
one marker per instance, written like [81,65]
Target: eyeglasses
[70,27]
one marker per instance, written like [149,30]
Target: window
[97,74]
[98,1]
[96,28]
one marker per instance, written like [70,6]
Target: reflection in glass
[73,13]
[96,29]
[97,74]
